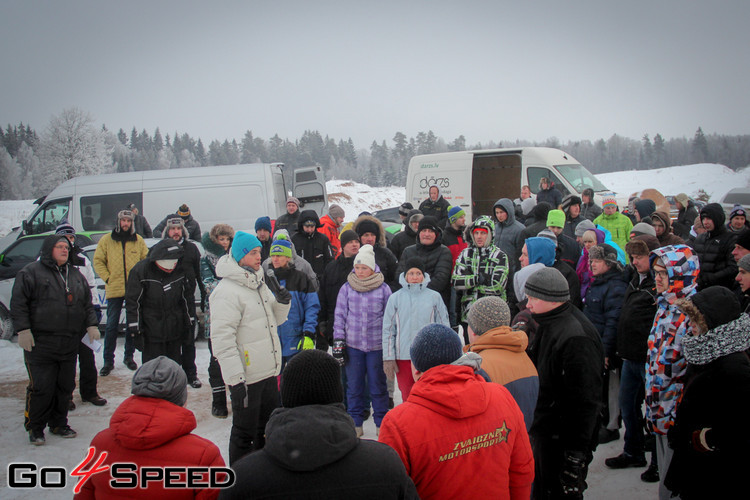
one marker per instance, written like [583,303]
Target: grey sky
[487,69]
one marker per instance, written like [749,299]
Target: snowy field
[354,198]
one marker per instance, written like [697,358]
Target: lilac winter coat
[359,317]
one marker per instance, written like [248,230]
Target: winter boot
[219,405]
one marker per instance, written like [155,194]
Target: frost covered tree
[72,146]
[10,176]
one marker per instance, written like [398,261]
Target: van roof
[214,171]
[551,156]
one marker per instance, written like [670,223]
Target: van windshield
[580,178]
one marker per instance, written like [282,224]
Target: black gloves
[282,294]
[573,474]
[339,346]
[238,393]
[483,280]
[137,337]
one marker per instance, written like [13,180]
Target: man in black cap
[311,447]
[408,235]
[569,357]
[310,244]
[50,307]
[437,258]
[403,211]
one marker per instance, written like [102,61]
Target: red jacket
[153,432]
[461,437]
[331,230]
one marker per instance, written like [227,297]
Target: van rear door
[495,175]
[309,187]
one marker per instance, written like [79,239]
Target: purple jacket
[359,317]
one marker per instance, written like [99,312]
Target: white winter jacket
[244,317]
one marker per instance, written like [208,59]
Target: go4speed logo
[122,475]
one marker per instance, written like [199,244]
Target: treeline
[32,164]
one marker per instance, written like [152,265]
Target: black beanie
[415,262]
[311,377]
[718,305]
[429,222]
[368,226]
[348,236]
[743,239]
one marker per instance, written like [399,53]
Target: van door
[47,217]
[494,176]
[309,187]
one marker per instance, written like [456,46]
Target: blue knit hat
[281,247]
[434,345]
[454,213]
[243,243]
[263,223]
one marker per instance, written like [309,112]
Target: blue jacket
[408,310]
[303,313]
[604,299]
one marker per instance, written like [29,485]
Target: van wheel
[6,324]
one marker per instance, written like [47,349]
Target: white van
[475,180]
[230,194]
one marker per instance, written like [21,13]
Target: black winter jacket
[437,209]
[334,277]
[142,227]
[603,306]
[315,248]
[438,263]
[551,195]
[313,452]
[714,249]
[403,239]
[568,355]
[636,317]
[39,301]
[716,396]
[574,284]
[159,304]
[288,222]
[685,220]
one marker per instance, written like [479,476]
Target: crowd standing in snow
[573,316]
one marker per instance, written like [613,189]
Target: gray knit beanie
[161,378]
[434,345]
[744,262]
[548,284]
[488,313]
[546,233]
[336,211]
[643,228]
[583,226]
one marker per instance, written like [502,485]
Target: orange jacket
[331,230]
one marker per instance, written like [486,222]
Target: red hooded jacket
[151,432]
[461,437]
[331,230]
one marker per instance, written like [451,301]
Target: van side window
[534,174]
[49,216]
[99,213]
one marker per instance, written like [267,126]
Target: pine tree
[158,143]
[699,147]
[122,137]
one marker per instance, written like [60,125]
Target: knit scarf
[724,339]
[365,285]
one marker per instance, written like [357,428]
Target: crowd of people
[519,341]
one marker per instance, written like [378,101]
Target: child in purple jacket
[358,336]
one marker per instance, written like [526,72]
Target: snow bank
[12,212]
[713,178]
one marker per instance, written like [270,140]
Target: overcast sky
[490,70]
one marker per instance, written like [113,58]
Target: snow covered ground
[354,198]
